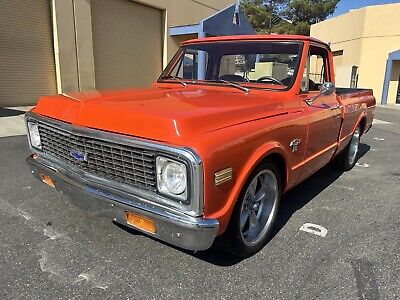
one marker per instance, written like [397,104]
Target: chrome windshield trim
[195,208]
[181,52]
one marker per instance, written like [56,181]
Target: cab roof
[258,37]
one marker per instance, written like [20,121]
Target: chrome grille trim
[106,159]
[195,205]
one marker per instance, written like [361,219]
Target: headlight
[171,178]
[34,135]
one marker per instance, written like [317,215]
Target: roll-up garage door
[127,43]
[27,68]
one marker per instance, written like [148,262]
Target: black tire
[346,160]
[233,240]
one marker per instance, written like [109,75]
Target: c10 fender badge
[295,144]
[80,156]
[223,176]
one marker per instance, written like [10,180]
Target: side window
[318,67]
[316,70]
[188,66]
[306,76]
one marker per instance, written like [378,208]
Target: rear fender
[359,119]
[345,140]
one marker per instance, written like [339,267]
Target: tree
[310,11]
[287,16]
[264,15]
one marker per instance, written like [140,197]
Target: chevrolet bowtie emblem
[294,144]
[79,156]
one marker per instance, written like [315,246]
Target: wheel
[254,213]
[348,158]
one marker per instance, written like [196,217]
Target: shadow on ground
[291,202]
[7,112]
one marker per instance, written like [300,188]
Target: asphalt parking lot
[49,249]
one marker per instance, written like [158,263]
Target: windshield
[251,64]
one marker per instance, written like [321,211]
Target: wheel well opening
[363,124]
[279,161]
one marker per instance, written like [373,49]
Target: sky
[345,5]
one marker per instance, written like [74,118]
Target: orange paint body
[225,126]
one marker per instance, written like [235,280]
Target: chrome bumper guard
[172,226]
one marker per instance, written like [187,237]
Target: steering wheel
[234,77]
[270,79]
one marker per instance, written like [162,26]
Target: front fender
[269,148]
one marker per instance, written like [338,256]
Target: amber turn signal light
[139,222]
[47,180]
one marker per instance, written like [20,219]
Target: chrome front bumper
[172,226]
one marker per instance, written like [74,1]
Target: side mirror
[327,88]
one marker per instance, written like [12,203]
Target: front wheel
[348,158]
[254,213]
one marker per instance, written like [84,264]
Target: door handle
[337,106]
[310,101]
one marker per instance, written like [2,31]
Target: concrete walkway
[390,106]
[12,120]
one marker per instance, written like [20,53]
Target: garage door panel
[127,43]
[27,68]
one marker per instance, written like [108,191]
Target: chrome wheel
[259,207]
[354,143]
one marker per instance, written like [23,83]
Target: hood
[173,114]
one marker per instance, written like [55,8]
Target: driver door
[323,114]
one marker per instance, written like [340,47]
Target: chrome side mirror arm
[326,89]
[310,101]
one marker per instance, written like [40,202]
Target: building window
[337,57]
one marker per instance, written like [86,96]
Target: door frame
[388,74]
[398,92]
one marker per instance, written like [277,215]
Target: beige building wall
[366,36]
[344,33]
[184,12]
[73,38]
[175,42]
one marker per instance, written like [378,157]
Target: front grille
[122,163]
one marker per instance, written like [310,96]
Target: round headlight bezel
[34,135]
[163,165]
[180,184]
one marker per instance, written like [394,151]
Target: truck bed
[346,91]
[358,107]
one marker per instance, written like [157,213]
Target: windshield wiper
[175,78]
[236,85]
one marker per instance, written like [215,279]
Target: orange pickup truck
[206,152]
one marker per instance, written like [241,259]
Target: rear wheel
[348,158]
[254,213]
